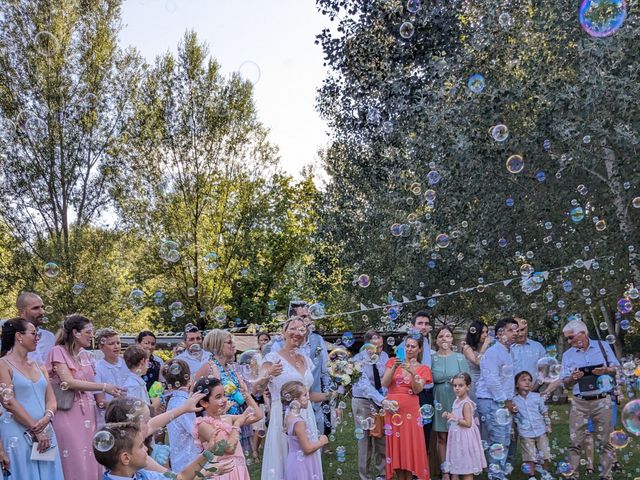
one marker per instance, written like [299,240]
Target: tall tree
[202,185]
[414,89]
[65,100]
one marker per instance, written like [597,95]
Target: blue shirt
[592,355]
[365,386]
[526,356]
[139,475]
[183,446]
[530,416]
[496,380]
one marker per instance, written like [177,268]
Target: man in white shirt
[193,354]
[368,395]
[31,307]
[526,352]
[588,368]
[494,393]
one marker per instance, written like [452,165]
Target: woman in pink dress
[70,368]
[465,456]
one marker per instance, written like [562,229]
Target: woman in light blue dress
[29,405]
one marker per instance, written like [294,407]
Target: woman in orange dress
[406,450]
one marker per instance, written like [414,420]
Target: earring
[19,341]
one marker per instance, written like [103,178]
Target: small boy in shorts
[533,424]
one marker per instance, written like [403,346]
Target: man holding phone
[589,367]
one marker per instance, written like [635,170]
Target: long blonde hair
[289,393]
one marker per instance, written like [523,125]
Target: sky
[276,35]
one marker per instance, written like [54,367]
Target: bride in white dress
[281,367]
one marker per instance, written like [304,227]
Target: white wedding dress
[275,449]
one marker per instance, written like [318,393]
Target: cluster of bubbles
[169,251]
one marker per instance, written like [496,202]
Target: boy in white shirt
[137,360]
[111,369]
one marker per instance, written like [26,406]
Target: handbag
[378,426]
[64,398]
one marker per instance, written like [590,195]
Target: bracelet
[235,427]
[49,414]
[104,387]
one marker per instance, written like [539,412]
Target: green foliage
[400,108]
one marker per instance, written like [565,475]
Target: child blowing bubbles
[533,424]
[217,426]
[303,459]
[465,456]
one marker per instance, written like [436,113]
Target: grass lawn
[348,470]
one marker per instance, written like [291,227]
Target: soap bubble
[348,339]
[515,164]
[396,419]
[576,214]
[316,311]
[565,469]
[498,451]
[136,298]
[549,369]
[610,339]
[413,6]
[407,30]
[631,417]
[169,251]
[602,18]
[476,83]
[51,269]
[500,133]
[103,441]
[249,72]
[442,240]
[619,439]
[624,305]
[219,314]
[503,417]
[601,225]
[427,411]
[176,309]
[46,43]
[635,202]
[364,281]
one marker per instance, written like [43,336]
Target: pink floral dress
[239,471]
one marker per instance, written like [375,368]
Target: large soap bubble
[602,18]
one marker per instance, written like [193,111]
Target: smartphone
[400,354]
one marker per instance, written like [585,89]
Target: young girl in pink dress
[465,456]
[217,426]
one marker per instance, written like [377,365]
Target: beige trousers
[599,411]
[368,446]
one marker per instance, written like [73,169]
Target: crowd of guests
[67,416]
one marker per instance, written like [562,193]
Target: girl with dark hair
[30,404]
[71,369]
[217,426]
[476,343]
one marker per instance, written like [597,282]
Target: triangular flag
[363,307]
[507,282]
[405,299]
[376,306]
[587,264]
[419,297]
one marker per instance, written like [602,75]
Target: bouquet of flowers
[342,369]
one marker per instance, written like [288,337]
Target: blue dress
[31,396]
